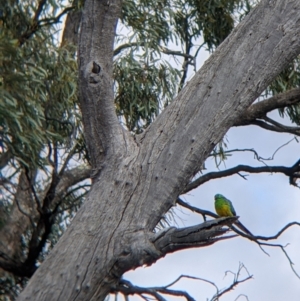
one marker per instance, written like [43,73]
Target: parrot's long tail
[243,228]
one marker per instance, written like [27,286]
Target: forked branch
[261,108]
[126,288]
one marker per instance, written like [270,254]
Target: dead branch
[126,288]
[174,239]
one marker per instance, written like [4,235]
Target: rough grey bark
[260,109]
[136,180]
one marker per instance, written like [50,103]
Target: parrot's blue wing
[231,208]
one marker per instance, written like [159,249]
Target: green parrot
[225,208]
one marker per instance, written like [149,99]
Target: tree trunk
[136,180]
[22,215]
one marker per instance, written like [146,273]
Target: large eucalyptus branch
[70,178]
[71,31]
[261,108]
[102,128]
[256,114]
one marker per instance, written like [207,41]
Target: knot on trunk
[135,249]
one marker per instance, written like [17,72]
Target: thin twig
[127,288]
[235,282]
[288,171]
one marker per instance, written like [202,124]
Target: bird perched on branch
[225,208]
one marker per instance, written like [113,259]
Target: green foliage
[39,114]
[38,85]
[144,80]
[141,89]
[10,287]
[149,20]
[211,19]
[219,153]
